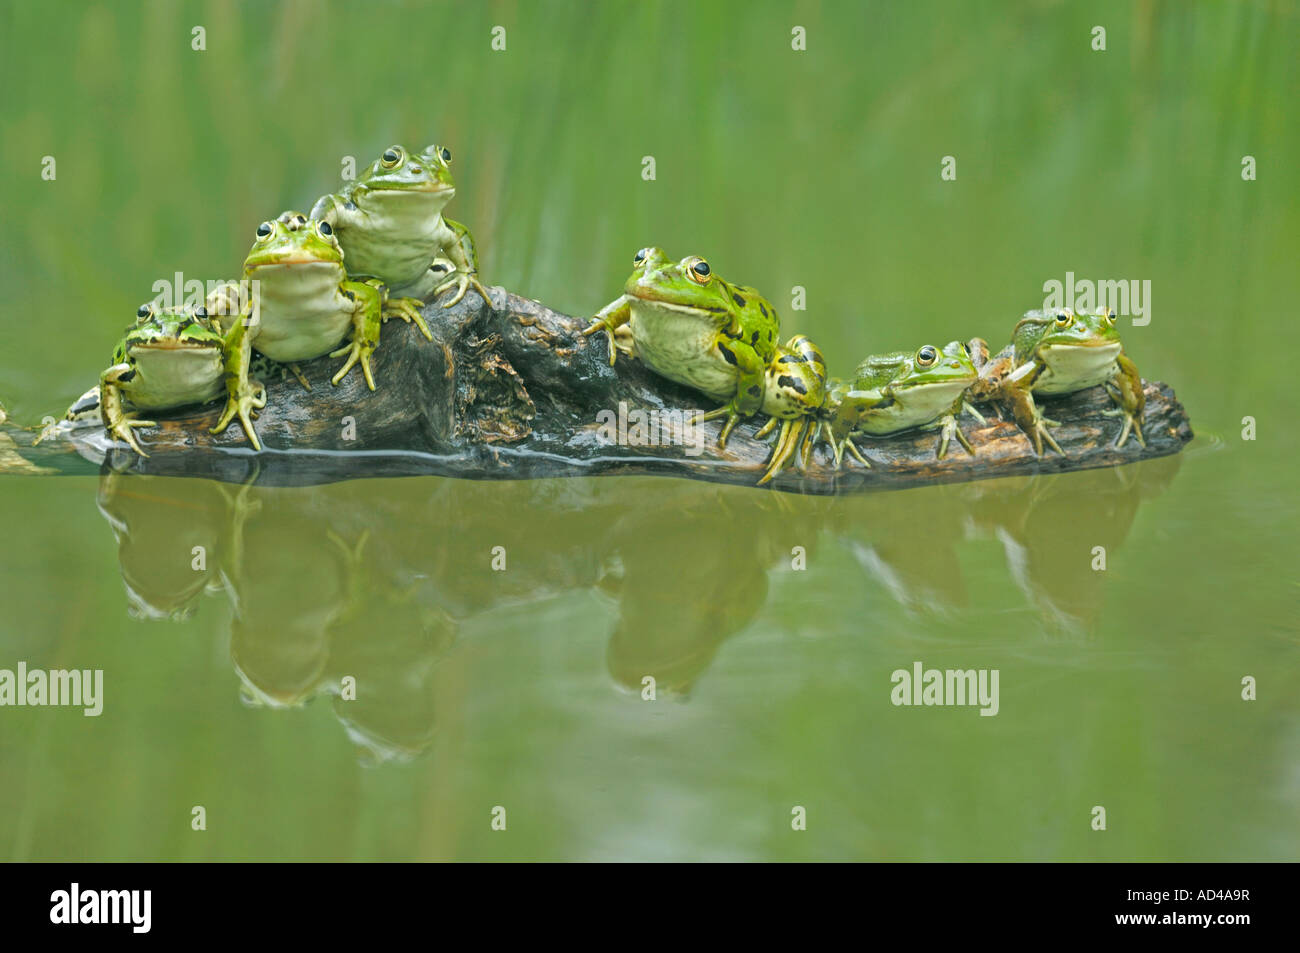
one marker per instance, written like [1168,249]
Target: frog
[296,302]
[693,327]
[902,390]
[171,357]
[1056,352]
[389,222]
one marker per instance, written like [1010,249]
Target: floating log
[515,391]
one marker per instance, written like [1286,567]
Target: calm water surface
[522,688]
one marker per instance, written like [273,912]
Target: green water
[522,688]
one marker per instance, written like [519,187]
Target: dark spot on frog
[350,296]
[785,380]
[753,338]
[762,307]
[350,205]
[755,391]
[729,357]
[740,302]
[792,359]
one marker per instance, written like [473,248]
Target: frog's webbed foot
[733,418]
[599,324]
[124,429]
[1040,434]
[244,403]
[462,282]
[1131,425]
[949,428]
[794,432]
[408,309]
[1132,419]
[358,350]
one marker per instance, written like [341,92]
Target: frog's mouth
[157,346]
[431,189]
[661,304]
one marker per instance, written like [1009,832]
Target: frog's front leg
[1017,391]
[948,428]
[750,371]
[1126,390]
[609,319]
[367,298]
[408,309]
[460,249]
[244,397]
[116,420]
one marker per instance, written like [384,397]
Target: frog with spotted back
[693,327]
[1059,352]
[390,225]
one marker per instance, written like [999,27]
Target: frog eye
[1063,319]
[926,356]
[699,271]
[639,256]
[1109,316]
[446,155]
[200,312]
[264,231]
[324,229]
[391,157]
[144,313]
[438,267]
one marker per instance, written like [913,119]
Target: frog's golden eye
[264,231]
[200,312]
[1063,319]
[144,311]
[1109,316]
[640,256]
[391,157]
[699,271]
[926,356]
[324,229]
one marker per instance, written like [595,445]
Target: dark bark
[515,393]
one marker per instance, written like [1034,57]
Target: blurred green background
[818,169]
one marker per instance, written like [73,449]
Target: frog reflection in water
[324,583]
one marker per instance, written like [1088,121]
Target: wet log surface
[514,392]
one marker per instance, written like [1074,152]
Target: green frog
[890,393]
[295,303]
[1060,352]
[692,327]
[389,222]
[171,357]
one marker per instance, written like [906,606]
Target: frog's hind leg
[793,432]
